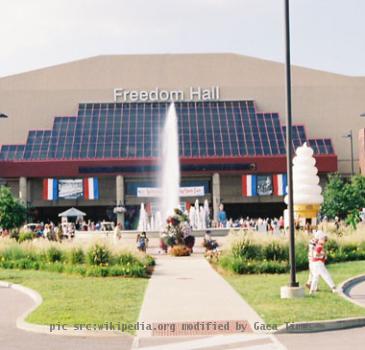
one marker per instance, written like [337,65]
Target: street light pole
[289,150]
[350,136]
[3,181]
[352,153]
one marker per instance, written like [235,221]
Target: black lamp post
[349,136]
[289,151]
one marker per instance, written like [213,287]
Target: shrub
[136,270]
[14,252]
[244,248]
[276,251]
[148,260]
[331,246]
[76,256]
[25,264]
[26,236]
[241,266]
[180,250]
[97,271]
[99,261]
[54,254]
[301,256]
[250,254]
[98,255]
[126,258]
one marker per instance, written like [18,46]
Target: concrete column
[120,197]
[216,194]
[23,190]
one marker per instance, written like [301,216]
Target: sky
[325,34]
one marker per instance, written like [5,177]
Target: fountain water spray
[169,182]
[170,166]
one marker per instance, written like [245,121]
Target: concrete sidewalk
[188,289]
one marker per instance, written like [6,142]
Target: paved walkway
[357,293]
[189,290]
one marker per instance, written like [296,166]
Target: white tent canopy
[72,212]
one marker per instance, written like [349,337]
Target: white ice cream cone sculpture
[307,195]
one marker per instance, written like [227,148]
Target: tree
[358,191]
[342,198]
[12,211]
[335,197]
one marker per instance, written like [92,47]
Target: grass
[69,299]
[262,292]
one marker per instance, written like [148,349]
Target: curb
[21,323]
[321,326]
[345,287]
[329,325]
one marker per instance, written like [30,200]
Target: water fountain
[169,183]
[170,166]
[143,219]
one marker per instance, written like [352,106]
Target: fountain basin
[215,232]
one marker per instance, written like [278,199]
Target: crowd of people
[259,224]
[63,230]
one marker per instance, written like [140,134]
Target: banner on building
[195,191]
[91,188]
[249,183]
[264,185]
[50,189]
[70,188]
[279,184]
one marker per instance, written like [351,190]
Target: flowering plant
[177,229]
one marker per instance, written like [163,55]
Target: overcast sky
[326,34]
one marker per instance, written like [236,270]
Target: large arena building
[86,133]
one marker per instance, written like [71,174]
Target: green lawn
[70,299]
[262,292]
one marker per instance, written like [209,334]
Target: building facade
[86,133]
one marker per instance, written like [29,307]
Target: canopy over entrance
[72,212]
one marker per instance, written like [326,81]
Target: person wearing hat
[318,235]
[318,266]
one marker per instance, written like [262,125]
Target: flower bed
[248,253]
[98,260]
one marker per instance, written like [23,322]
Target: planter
[180,250]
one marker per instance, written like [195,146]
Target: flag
[249,185]
[279,184]
[91,188]
[50,189]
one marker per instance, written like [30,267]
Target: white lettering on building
[157,94]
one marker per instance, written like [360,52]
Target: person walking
[311,246]
[319,269]
[142,242]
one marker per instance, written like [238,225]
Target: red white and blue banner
[50,189]
[249,185]
[91,188]
[279,184]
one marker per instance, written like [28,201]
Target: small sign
[195,191]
